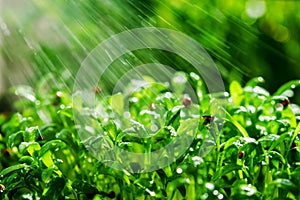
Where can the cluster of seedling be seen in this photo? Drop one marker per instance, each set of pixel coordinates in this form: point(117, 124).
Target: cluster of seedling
point(254, 154)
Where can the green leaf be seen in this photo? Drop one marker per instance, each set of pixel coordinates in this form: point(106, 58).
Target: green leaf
point(15, 139)
point(69, 138)
point(26, 160)
point(230, 142)
point(287, 86)
point(47, 174)
point(31, 134)
point(279, 141)
point(31, 147)
point(225, 170)
point(11, 169)
point(45, 152)
point(163, 133)
point(117, 103)
point(200, 86)
point(25, 91)
point(242, 130)
point(46, 158)
point(12, 125)
point(136, 147)
point(48, 131)
point(53, 145)
point(54, 189)
point(284, 184)
point(188, 126)
point(288, 113)
point(243, 191)
point(255, 81)
point(173, 118)
point(236, 92)
point(111, 129)
point(84, 187)
point(296, 132)
point(249, 144)
point(270, 138)
point(137, 129)
point(275, 155)
point(179, 82)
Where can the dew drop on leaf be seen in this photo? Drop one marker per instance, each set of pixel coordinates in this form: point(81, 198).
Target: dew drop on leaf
point(210, 186)
point(179, 170)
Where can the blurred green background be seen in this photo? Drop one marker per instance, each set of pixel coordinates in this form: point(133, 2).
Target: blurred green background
point(245, 38)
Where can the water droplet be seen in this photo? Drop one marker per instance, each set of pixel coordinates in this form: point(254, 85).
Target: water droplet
point(215, 192)
point(195, 76)
point(58, 94)
point(248, 122)
point(204, 196)
point(197, 160)
point(127, 114)
point(260, 79)
point(187, 180)
point(210, 186)
point(179, 170)
point(134, 99)
point(251, 109)
point(37, 102)
point(153, 128)
point(248, 189)
point(180, 78)
point(153, 194)
point(220, 196)
point(279, 107)
point(168, 95)
point(255, 9)
point(293, 86)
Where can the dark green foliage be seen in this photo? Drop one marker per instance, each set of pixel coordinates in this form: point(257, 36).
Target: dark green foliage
point(254, 156)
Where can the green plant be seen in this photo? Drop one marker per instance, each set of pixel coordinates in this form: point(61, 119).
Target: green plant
point(255, 154)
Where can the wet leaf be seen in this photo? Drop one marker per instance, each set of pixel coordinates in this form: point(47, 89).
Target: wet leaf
point(287, 86)
point(11, 169)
